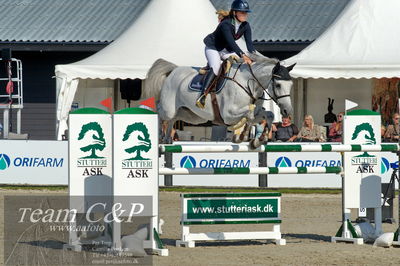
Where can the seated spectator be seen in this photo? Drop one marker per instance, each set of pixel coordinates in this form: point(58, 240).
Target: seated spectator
point(174, 134)
point(311, 132)
point(392, 131)
point(285, 130)
point(336, 129)
point(383, 131)
point(260, 129)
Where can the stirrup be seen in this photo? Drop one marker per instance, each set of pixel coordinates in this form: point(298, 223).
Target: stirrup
point(203, 70)
point(201, 101)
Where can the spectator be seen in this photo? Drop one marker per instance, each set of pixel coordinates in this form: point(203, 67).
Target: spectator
point(336, 129)
point(164, 127)
point(383, 131)
point(310, 132)
point(285, 130)
point(260, 129)
point(174, 134)
point(392, 131)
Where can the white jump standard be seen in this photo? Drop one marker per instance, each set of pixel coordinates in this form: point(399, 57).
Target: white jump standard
point(115, 157)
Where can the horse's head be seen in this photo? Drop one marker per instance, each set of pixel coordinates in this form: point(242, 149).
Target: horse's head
point(276, 79)
point(281, 87)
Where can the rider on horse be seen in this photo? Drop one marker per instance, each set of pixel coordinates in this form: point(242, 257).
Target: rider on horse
point(221, 43)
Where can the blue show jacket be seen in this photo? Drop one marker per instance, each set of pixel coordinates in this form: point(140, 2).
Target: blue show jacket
point(224, 37)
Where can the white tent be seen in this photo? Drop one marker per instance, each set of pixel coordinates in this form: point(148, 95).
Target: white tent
point(363, 42)
point(169, 29)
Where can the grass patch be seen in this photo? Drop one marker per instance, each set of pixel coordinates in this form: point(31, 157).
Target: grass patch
point(32, 187)
point(240, 190)
point(198, 189)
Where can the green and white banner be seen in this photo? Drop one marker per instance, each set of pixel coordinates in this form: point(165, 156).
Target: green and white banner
point(232, 207)
point(362, 187)
point(90, 152)
point(135, 152)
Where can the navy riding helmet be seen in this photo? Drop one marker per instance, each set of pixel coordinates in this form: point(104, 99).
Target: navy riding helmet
point(240, 5)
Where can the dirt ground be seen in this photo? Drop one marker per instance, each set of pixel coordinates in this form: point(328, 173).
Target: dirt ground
point(308, 222)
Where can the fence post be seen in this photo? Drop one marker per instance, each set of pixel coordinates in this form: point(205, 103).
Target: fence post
point(168, 181)
point(262, 162)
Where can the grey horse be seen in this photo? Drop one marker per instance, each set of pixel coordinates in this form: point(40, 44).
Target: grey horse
point(240, 101)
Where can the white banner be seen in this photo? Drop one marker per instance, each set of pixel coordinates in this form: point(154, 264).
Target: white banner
point(33, 162)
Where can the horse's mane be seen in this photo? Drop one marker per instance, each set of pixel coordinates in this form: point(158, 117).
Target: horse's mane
point(259, 58)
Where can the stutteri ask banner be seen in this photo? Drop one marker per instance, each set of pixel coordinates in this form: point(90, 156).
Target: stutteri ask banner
point(90, 152)
point(135, 133)
point(362, 185)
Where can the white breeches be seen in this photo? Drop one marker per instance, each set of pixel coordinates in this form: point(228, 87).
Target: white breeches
point(214, 58)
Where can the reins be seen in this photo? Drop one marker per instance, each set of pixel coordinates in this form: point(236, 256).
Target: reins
point(248, 90)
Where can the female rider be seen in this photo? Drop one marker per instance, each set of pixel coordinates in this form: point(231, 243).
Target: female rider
point(221, 44)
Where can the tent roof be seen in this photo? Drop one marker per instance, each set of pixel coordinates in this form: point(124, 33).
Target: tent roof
point(85, 22)
point(288, 20)
point(363, 42)
point(168, 29)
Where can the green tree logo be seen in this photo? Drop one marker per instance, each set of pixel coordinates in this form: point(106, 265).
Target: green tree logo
point(369, 135)
point(365, 154)
point(97, 139)
point(140, 138)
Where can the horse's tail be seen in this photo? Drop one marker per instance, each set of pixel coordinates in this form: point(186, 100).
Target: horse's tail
point(156, 76)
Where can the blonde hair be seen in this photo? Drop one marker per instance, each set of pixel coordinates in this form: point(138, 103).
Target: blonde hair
point(338, 123)
point(312, 121)
point(222, 14)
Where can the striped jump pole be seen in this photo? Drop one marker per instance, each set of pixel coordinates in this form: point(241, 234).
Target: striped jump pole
point(250, 170)
point(279, 148)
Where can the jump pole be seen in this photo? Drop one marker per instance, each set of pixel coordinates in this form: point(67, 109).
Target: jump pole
point(279, 148)
point(365, 182)
point(250, 170)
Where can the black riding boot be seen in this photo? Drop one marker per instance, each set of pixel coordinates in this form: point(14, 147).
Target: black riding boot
point(201, 101)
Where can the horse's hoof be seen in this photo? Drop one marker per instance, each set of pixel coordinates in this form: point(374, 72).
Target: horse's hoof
point(236, 139)
point(167, 140)
point(255, 143)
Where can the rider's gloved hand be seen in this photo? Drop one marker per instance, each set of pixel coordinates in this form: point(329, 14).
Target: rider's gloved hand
point(247, 59)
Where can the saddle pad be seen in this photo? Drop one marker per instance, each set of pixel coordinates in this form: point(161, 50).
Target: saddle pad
point(197, 83)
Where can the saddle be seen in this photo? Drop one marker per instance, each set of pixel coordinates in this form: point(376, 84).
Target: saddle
point(197, 82)
point(216, 86)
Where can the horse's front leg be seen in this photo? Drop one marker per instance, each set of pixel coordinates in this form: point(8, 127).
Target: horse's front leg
point(244, 135)
point(260, 138)
point(246, 113)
